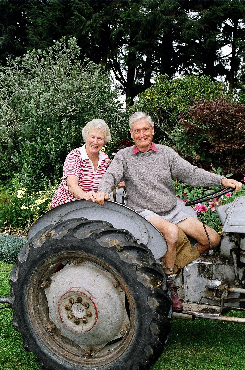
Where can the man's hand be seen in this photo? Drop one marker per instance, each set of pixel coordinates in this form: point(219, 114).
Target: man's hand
point(121, 184)
point(231, 183)
point(100, 198)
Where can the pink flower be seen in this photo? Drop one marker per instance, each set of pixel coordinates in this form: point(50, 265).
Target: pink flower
point(200, 207)
point(212, 206)
point(228, 194)
point(185, 200)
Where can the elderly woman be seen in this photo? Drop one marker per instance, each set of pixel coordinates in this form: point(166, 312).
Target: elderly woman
point(84, 166)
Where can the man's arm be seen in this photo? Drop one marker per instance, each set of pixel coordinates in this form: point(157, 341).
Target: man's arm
point(195, 176)
point(110, 179)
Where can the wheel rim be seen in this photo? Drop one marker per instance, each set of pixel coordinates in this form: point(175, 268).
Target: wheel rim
point(69, 314)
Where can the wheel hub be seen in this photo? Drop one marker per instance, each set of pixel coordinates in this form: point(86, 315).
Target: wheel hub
point(87, 305)
point(77, 311)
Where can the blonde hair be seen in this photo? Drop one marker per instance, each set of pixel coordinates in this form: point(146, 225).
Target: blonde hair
point(96, 124)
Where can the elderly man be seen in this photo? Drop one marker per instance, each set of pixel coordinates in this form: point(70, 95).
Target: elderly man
point(147, 170)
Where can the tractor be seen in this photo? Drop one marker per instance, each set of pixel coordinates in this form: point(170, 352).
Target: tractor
point(88, 291)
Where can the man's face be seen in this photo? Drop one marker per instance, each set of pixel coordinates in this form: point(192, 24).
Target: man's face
point(142, 134)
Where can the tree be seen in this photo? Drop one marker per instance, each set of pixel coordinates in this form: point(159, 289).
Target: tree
point(139, 40)
point(136, 40)
point(167, 98)
point(241, 85)
point(214, 27)
point(46, 98)
point(234, 35)
point(214, 131)
point(12, 29)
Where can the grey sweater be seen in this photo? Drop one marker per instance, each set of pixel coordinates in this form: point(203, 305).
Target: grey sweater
point(148, 177)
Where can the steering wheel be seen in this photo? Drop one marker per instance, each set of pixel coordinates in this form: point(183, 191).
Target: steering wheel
point(214, 194)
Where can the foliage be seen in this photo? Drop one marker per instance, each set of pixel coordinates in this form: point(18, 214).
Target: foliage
point(242, 85)
point(46, 98)
point(10, 245)
point(167, 98)
point(214, 131)
point(136, 40)
point(206, 211)
point(199, 118)
point(19, 207)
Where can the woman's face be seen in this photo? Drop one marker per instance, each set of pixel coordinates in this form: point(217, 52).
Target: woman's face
point(95, 141)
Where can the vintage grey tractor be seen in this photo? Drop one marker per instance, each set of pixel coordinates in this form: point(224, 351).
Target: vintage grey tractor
point(88, 291)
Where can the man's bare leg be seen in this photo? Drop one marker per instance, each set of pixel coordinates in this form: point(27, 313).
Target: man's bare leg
point(195, 229)
point(170, 234)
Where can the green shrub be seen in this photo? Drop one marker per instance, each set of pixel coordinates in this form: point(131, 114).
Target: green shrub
point(214, 134)
point(23, 207)
point(10, 246)
point(46, 98)
point(167, 98)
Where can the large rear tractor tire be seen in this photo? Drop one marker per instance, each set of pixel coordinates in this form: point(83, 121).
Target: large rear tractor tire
point(88, 296)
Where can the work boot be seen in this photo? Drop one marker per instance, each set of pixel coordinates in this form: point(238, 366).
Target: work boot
point(177, 304)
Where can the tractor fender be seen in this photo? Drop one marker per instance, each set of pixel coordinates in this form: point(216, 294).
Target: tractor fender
point(120, 216)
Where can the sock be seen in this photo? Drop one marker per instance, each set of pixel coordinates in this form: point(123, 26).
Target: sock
point(170, 279)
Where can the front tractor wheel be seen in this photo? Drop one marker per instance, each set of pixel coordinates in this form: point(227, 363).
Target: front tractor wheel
point(87, 296)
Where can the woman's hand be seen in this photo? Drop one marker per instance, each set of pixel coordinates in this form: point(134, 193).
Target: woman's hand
point(77, 191)
point(89, 196)
point(231, 183)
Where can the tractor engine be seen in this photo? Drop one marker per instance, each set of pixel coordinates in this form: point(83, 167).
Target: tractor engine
point(216, 283)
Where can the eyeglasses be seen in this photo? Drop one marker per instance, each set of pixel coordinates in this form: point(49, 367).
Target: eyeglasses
point(145, 130)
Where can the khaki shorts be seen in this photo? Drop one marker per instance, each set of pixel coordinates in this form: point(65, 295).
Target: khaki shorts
point(185, 252)
point(179, 213)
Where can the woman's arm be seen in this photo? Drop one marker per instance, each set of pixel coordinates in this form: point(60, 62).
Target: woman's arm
point(77, 191)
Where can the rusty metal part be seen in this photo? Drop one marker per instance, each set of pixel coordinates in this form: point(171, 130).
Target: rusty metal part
point(202, 311)
point(197, 315)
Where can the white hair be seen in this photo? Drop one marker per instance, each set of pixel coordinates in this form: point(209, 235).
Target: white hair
point(138, 115)
point(96, 124)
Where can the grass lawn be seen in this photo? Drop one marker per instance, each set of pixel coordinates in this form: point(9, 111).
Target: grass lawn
point(193, 345)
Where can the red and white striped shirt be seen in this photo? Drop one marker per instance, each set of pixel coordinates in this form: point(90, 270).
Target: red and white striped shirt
point(78, 164)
